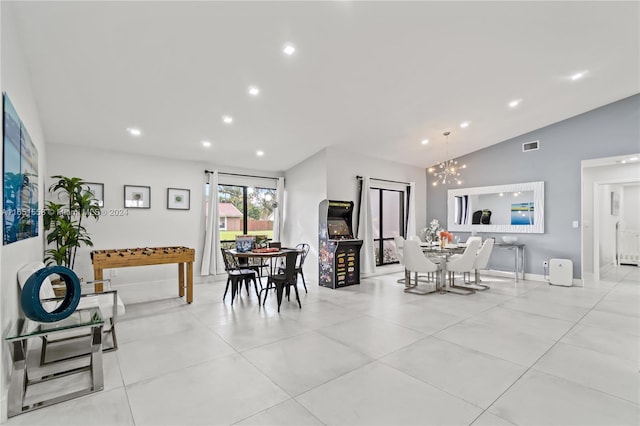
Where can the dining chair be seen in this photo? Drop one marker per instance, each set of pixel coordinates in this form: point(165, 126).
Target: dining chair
point(481, 262)
point(415, 261)
point(399, 241)
point(415, 238)
point(110, 304)
point(286, 278)
point(300, 262)
point(461, 264)
point(237, 275)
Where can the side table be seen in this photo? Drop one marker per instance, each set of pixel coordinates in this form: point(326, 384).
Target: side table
point(24, 329)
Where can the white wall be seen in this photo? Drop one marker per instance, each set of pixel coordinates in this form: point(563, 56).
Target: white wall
point(156, 226)
point(16, 83)
point(306, 186)
point(630, 206)
point(590, 176)
point(152, 227)
point(343, 166)
point(607, 224)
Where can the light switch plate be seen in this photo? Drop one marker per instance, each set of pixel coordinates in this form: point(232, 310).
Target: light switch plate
point(576, 224)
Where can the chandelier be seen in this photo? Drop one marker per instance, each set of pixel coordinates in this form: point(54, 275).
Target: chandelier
point(448, 171)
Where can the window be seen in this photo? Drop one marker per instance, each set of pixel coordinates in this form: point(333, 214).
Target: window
point(387, 211)
point(245, 210)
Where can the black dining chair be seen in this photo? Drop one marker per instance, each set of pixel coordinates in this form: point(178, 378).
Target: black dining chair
point(237, 275)
point(286, 278)
point(305, 251)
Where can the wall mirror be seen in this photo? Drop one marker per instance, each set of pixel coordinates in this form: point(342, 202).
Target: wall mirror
point(512, 208)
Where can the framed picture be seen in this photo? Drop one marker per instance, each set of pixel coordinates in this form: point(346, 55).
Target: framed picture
point(137, 197)
point(615, 203)
point(97, 189)
point(178, 199)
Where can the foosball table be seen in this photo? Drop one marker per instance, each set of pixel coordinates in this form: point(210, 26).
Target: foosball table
point(122, 258)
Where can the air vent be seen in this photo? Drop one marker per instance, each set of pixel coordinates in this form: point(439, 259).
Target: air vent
point(530, 146)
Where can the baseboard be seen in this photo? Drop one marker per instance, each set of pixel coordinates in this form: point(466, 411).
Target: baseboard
point(384, 270)
point(608, 267)
point(528, 276)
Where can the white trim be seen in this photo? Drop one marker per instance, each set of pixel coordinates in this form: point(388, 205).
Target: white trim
point(538, 212)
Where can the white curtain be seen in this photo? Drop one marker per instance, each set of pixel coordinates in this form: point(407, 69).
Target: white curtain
point(212, 262)
point(365, 229)
point(411, 210)
point(278, 212)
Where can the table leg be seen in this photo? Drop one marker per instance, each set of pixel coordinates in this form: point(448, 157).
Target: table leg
point(515, 259)
point(523, 262)
point(97, 373)
point(180, 279)
point(18, 383)
point(97, 276)
point(189, 282)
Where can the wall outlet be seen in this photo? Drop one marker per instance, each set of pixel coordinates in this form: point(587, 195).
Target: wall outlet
point(545, 264)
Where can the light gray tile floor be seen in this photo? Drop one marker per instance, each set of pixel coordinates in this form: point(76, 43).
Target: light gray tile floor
point(517, 354)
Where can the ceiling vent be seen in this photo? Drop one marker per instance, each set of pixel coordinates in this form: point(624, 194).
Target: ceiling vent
point(531, 146)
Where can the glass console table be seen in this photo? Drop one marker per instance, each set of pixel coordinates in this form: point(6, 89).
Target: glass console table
point(24, 329)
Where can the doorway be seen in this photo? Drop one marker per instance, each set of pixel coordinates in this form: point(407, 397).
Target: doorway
point(603, 213)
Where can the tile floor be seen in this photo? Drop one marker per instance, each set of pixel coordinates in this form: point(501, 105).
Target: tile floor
point(525, 354)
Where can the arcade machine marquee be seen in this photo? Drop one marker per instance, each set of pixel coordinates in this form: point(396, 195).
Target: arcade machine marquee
point(339, 257)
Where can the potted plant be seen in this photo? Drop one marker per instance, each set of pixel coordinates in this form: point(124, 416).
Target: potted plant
point(63, 219)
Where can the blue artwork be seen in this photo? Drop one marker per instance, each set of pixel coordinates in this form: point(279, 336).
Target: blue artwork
point(20, 179)
point(522, 213)
point(244, 243)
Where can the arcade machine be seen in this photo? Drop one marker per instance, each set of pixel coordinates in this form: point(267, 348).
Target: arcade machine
point(339, 252)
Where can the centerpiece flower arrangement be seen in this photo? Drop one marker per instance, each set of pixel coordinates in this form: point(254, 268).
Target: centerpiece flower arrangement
point(444, 235)
point(432, 232)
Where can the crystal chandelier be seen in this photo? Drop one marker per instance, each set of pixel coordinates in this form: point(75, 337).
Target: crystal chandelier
point(448, 171)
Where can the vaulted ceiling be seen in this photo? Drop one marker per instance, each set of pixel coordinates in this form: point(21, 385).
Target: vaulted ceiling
point(374, 77)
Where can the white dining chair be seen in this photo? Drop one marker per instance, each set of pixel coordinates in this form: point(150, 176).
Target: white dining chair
point(482, 260)
point(416, 262)
point(461, 264)
point(400, 251)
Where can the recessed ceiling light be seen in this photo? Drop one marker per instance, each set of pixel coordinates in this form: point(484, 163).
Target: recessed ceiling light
point(289, 49)
point(254, 90)
point(464, 125)
point(259, 153)
point(424, 141)
point(633, 159)
point(578, 75)
point(134, 131)
point(227, 119)
point(206, 144)
point(514, 103)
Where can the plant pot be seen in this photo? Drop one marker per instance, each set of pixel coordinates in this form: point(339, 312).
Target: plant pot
point(59, 287)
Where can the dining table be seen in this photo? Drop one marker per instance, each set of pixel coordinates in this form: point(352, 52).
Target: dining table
point(440, 255)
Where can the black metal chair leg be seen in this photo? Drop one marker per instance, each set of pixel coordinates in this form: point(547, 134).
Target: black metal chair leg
point(226, 288)
point(304, 283)
point(295, 287)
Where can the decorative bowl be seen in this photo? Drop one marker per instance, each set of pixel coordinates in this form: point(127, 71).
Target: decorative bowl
point(509, 239)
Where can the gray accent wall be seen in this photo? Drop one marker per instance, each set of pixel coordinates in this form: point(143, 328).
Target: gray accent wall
point(608, 131)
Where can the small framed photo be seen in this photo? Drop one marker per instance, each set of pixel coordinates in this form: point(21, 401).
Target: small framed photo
point(137, 197)
point(97, 189)
point(178, 199)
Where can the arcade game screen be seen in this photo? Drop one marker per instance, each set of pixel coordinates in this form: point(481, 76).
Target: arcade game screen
point(338, 229)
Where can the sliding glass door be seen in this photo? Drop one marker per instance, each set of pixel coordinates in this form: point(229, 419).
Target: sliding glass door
point(245, 210)
point(387, 211)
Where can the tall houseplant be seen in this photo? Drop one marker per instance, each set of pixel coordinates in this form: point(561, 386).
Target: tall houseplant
point(63, 219)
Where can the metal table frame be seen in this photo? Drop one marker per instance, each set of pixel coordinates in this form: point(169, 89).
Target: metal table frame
point(25, 329)
point(519, 257)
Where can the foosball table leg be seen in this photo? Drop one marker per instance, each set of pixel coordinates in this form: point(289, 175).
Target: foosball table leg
point(180, 279)
point(97, 276)
point(189, 282)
